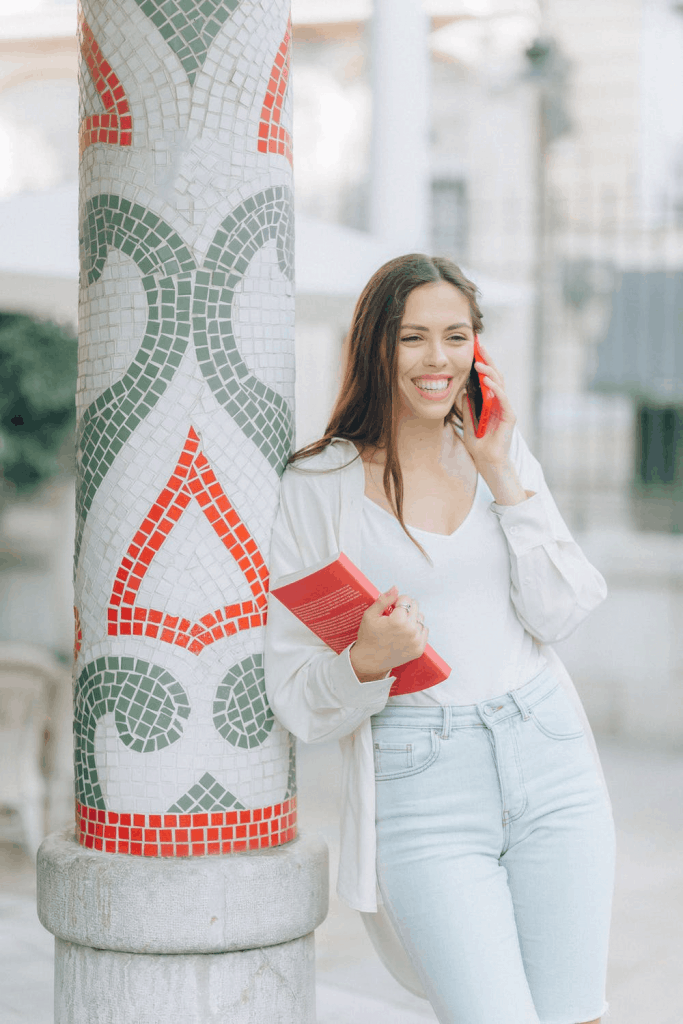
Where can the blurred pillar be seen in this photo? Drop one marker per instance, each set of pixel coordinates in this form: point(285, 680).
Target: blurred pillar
point(400, 174)
point(186, 894)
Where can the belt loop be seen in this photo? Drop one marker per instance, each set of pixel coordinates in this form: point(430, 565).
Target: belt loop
point(521, 704)
point(446, 731)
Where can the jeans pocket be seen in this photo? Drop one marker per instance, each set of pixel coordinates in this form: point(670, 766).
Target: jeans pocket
point(555, 716)
point(400, 752)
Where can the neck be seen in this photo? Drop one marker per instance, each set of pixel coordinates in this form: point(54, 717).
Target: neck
point(420, 441)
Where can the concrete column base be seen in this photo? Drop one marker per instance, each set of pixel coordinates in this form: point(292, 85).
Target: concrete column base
point(205, 940)
point(98, 986)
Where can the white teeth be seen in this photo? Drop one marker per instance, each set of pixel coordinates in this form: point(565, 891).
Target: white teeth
point(432, 385)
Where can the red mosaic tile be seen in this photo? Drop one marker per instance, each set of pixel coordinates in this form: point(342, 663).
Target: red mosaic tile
point(186, 834)
point(192, 477)
point(78, 633)
point(272, 136)
point(113, 128)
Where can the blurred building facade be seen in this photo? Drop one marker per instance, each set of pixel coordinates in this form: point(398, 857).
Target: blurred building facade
point(553, 173)
point(554, 178)
point(39, 276)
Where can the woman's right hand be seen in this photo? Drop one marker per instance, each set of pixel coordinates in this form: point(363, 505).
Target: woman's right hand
point(385, 641)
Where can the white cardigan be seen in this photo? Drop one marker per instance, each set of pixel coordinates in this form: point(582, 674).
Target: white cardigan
point(315, 693)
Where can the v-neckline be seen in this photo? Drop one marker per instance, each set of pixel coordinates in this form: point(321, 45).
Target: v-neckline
point(431, 533)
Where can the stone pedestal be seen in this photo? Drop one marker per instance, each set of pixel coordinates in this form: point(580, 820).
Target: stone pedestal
point(204, 940)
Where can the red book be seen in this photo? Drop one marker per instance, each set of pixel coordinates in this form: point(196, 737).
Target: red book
point(331, 599)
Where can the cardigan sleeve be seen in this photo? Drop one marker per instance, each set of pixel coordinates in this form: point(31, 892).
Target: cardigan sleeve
point(553, 585)
point(313, 691)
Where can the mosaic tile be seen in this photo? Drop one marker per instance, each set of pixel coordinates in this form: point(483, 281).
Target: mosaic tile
point(78, 634)
point(192, 479)
point(193, 834)
point(189, 27)
point(165, 261)
point(148, 704)
point(273, 137)
point(263, 415)
point(185, 423)
point(240, 711)
point(206, 795)
point(114, 125)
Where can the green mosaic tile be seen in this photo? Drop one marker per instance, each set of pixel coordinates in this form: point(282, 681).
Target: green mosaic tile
point(241, 712)
point(149, 708)
point(189, 27)
point(109, 421)
point(263, 414)
point(206, 795)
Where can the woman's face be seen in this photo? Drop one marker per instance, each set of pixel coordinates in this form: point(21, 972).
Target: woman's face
point(435, 350)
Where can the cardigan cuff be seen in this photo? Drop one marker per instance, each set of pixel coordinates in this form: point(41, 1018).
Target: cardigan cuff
point(350, 691)
point(526, 525)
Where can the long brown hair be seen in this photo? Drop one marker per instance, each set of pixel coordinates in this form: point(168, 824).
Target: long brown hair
point(366, 409)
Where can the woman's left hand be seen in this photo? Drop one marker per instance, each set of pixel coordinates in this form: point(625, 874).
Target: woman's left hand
point(491, 453)
point(493, 448)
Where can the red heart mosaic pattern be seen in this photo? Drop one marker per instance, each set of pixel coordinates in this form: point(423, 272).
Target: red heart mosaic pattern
point(115, 126)
point(192, 478)
point(272, 136)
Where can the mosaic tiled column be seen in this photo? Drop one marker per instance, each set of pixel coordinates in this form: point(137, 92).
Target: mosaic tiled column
point(185, 400)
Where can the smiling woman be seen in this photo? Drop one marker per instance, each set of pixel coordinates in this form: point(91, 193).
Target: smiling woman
point(435, 350)
point(373, 395)
point(475, 822)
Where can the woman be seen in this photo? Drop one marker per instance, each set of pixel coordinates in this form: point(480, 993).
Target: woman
point(474, 813)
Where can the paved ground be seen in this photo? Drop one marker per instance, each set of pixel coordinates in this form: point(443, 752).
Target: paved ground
point(646, 966)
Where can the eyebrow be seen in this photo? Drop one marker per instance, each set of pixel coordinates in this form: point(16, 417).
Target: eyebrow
point(418, 327)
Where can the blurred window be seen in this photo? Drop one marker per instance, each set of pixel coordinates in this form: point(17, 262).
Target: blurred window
point(659, 468)
point(449, 217)
point(660, 439)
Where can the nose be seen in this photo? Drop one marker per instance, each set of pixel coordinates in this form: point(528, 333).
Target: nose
point(436, 354)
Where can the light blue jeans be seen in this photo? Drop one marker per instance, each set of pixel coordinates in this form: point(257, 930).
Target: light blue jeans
point(495, 855)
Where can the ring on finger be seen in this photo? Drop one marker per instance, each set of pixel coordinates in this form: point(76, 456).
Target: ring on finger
point(406, 606)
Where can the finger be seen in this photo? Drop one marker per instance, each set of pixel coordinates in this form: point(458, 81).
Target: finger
point(405, 604)
point(499, 392)
point(486, 370)
point(507, 413)
point(385, 601)
point(491, 363)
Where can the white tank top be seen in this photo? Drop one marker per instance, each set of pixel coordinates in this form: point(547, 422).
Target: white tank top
point(464, 596)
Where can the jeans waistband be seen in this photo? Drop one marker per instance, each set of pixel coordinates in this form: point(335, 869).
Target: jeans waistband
point(462, 716)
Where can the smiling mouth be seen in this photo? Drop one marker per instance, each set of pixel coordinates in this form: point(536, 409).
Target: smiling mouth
point(434, 388)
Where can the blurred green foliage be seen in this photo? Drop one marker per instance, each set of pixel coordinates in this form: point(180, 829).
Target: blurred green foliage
point(38, 365)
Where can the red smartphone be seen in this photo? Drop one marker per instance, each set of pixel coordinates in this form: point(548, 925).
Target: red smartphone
point(484, 404)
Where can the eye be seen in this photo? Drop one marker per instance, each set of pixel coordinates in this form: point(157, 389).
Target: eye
point(458, 338)
point(412, 337)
